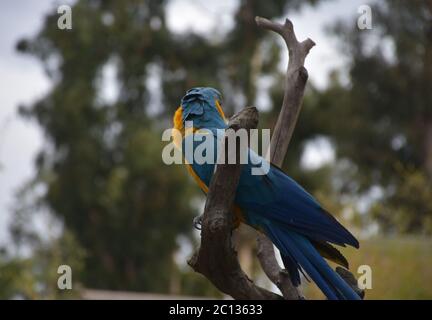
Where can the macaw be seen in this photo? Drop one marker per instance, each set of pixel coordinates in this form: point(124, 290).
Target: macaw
point(272, 203)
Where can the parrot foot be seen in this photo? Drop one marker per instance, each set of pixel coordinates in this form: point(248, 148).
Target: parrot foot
point(197, 222)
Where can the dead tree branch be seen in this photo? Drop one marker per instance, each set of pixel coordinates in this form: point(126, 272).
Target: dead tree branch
point(296, 78)
point(216, 258)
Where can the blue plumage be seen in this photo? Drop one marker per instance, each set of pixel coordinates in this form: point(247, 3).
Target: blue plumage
point(275, 204)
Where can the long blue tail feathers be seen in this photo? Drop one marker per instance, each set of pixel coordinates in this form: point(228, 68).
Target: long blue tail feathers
point(298, 253)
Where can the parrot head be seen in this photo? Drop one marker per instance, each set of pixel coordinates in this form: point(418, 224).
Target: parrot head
point(203, 107)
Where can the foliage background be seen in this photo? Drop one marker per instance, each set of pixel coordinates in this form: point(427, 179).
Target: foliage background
point(122, 219)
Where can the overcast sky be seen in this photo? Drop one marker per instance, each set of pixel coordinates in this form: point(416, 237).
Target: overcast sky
point(22, 79)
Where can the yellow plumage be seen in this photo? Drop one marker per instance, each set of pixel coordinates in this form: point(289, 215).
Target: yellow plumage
point(178, 125)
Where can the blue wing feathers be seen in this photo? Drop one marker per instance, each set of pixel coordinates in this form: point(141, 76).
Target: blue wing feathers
point(300, 249)
point(288, 246)
point(290, 216)
point(288, 203)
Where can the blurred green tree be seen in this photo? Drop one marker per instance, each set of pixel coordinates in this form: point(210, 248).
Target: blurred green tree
point(35, 276)
point(380, 120)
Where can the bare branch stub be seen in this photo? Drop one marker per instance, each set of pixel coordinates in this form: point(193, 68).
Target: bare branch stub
point(296, 79)
point(216, 258)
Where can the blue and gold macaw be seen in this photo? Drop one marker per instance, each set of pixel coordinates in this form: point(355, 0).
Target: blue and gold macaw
point(273, 203)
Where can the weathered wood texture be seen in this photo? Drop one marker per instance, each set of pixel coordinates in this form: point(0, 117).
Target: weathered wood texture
point(296, 78)
point(216, 258)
